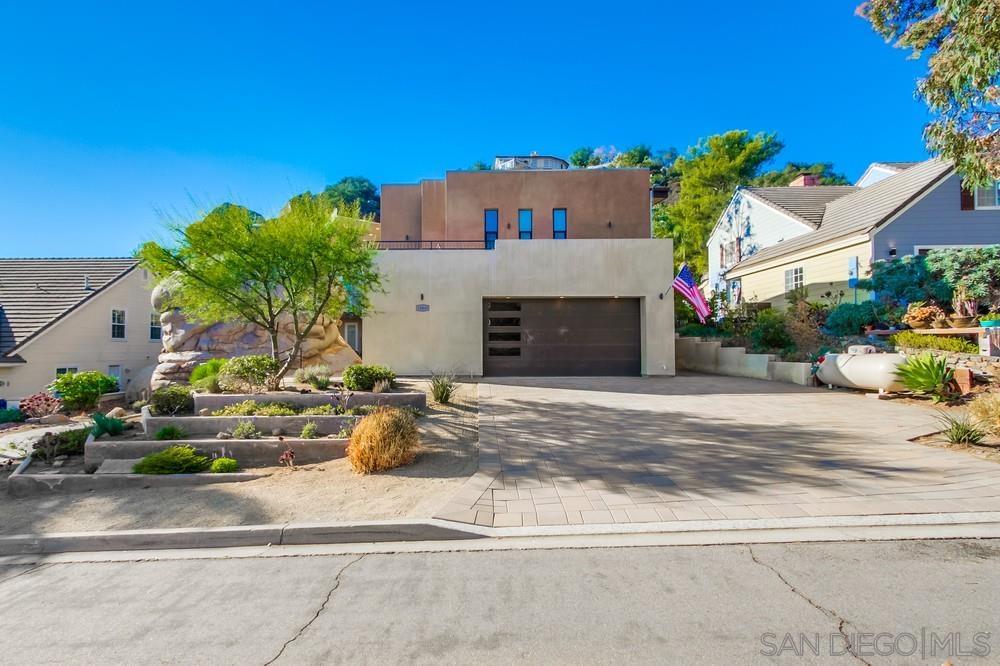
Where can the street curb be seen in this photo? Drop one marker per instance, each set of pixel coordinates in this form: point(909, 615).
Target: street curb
point(434, 530)
point(229, 537)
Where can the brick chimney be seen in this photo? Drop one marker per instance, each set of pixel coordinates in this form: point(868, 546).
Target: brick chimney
point(805, 180)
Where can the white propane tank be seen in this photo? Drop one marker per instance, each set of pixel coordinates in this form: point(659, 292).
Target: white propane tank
point(873, 372)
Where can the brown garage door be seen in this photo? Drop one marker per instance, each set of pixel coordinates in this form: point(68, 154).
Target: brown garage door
point(561, 337)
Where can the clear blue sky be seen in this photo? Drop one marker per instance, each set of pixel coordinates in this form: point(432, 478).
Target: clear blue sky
point(113, 117)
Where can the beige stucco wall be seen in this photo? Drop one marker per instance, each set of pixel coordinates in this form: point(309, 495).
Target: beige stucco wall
point(399, 215)
point(83, 340)
point(449, 337)
point(824, 269)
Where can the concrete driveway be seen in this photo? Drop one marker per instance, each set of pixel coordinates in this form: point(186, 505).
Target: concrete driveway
point(696, 447)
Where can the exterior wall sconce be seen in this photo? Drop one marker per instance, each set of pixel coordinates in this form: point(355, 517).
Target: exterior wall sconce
point(407, 236)
point(421, 297)
point(892, 253)
point(609, 224)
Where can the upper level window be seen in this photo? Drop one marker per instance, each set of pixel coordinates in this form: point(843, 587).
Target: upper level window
point(491, 222)
point(155, 329)
point(524, 223)
point(794, 279)
point(559, 223)
point(988, 197)
point(117, 324)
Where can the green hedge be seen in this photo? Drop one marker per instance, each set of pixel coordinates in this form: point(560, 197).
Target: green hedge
point(913, 340)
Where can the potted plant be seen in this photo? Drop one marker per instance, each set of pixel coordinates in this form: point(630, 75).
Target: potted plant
point(990, 320)
point(920, 315)
point(966, 308)
point(940, 322)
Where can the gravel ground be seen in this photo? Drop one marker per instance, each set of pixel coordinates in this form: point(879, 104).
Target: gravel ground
point(309, 493)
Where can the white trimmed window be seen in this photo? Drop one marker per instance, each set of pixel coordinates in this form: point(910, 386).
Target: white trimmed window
point(67, 370)
point(155, 328)
point(794, 279)
point(988, 197)
point(117, 324)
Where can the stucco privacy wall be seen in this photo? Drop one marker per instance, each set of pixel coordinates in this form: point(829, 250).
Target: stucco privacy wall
point(823, 269)
point(449, 336)
point(83, 340)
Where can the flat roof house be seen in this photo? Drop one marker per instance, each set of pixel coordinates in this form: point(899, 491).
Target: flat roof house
point(770, 241)
point(68, 315)
point(523, 270)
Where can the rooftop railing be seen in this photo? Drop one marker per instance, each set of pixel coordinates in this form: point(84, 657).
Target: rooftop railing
point(435, 245)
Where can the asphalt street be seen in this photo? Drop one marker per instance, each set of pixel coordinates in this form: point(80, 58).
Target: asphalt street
point(897, 602)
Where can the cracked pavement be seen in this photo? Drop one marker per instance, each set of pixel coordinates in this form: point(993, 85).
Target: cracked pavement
point(703, 604)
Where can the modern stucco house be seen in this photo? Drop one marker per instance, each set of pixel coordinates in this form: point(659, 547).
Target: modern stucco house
point(770, 241)
point(66, 315)
point(523, 271)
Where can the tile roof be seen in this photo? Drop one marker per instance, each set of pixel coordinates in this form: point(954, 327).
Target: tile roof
point(803, 203)
point(35, 293)
point(860, 211)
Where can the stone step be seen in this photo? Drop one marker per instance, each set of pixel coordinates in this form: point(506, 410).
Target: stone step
point(117, 466)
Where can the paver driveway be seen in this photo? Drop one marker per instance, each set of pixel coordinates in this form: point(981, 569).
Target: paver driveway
point(603, 450)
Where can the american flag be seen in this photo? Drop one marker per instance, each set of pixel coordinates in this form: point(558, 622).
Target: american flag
point(685, 285)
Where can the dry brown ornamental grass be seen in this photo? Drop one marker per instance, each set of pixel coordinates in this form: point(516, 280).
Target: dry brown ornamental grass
point(384, 439)
point(985, 409)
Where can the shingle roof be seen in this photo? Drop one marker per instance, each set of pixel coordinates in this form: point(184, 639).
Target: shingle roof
point(35, 293)
point(804, 203)
point(860, 211)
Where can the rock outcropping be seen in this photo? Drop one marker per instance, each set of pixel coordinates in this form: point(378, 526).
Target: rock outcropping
point(185, 344)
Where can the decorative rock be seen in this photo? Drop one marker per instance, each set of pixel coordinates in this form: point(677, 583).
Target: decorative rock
point(224, 435)
point(278, 432)
point(204, 412)
point(55, 419)
point(117, 413)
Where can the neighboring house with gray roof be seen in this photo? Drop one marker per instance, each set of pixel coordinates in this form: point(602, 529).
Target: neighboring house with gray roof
point(918, 208)
point(66, 315)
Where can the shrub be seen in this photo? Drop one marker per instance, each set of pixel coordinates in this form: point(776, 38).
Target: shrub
point(309, 431)
point(768, 332)
point(802, 322)
point(245, 430)
point(83, 390)
point(205, 376)
point(363, 377)
point(41, 404)
point(170, 432)
point(172, 400)
point(383, 440)
point(695, 330)
point(960, 430)
point(920, 313)
point(443, 387)
point(851, 318)
point(319, 410)
point(317, 376)
point(905, 280)
point(276, 409)
point(68, 442)
point(927, 375)
point(224, 466)
point(985, 410)
point(253, 374)
point(254, 408)
point(245, 408)
point(11, 416)
point(172, 460)
point(912, 340)
point(105, 425)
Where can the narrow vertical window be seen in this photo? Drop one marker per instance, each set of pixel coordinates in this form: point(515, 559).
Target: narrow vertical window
point(491, 222)
point(155, 329)
point(524, 223)
point(117, 324)
point(559, 223)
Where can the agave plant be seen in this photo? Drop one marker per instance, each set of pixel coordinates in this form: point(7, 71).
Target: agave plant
point(961, 429)
point(927, 375)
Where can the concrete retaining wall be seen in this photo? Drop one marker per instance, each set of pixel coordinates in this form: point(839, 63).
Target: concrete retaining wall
point(212, 425)
point(710, 357)
point(214, 401)
point(248, 452)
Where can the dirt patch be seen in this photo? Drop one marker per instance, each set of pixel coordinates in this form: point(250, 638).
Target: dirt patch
point(311, 493)
point(989, 450)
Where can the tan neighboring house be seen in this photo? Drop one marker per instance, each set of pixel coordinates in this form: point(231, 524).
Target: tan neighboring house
point(907, 209)
point(67, 315)
point(531, 268)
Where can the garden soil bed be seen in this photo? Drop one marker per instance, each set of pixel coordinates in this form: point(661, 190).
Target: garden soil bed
point(323, 492)
point(989, 450)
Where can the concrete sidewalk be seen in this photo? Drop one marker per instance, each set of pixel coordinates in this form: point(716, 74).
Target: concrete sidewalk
point(695, 448)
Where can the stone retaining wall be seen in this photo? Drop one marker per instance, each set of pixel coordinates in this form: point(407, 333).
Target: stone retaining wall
point(248, 452)
point(979, 364)
point(212, 425)
point(711, 357)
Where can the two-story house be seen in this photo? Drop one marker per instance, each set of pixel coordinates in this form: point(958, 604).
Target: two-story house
point(527, 269)
point(903, 209)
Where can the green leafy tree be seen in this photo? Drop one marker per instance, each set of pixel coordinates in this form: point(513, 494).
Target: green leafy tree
point(961, 39)
point(709, 173)
point(639, 156)
point(480, 165)
point(782, 177)
point(354, 190)
point(583, 157)
point(233, 266)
